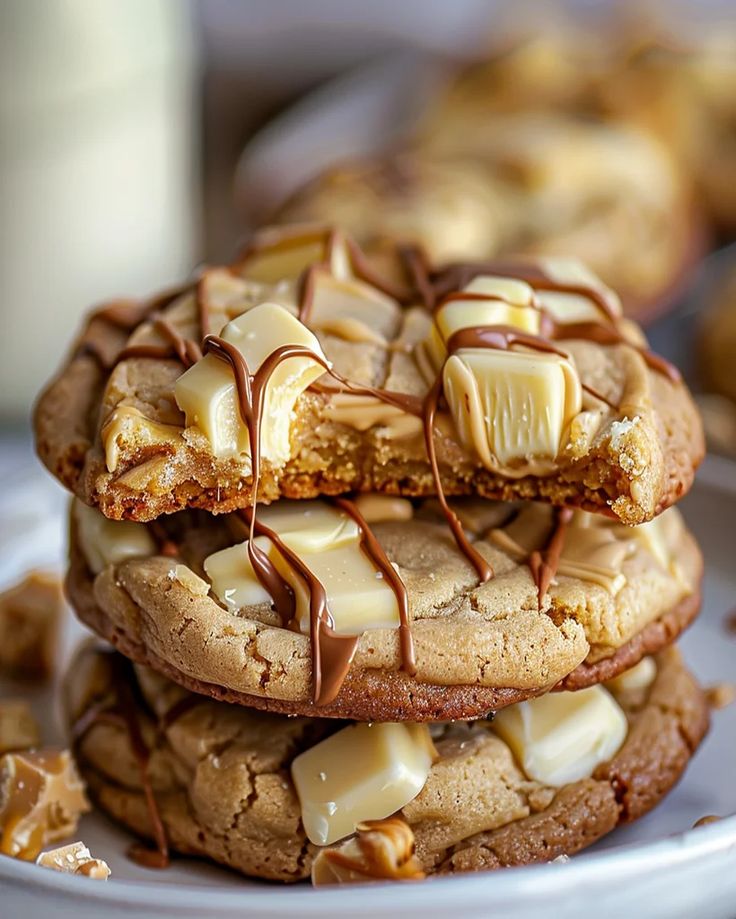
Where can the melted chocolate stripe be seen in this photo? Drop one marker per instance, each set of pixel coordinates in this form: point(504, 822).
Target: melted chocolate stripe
point(602, 333)
point(374, 550)
point(328, 648)
point(544, 564)
point(123, 711)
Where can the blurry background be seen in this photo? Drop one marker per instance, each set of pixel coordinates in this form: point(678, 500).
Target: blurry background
point(138, 139)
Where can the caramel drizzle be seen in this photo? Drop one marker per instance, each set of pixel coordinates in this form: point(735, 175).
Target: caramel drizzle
point(376, 860)
point(503, 338)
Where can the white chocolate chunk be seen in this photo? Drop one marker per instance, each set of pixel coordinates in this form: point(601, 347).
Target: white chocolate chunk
point(207, 393)
point(660, 537)
point(358, 596)
point(308, 526)
point(327, 541)
point(352, 310)
point(281, 254)
point(561, 737)
point(363, 772)
point(74, 858)
point(635, 678)
point(574, 307)
point(108, 542)
point(232, 577)
point(508, 304)
point(511, 406)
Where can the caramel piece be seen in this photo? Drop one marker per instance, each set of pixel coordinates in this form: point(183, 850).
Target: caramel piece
point(561, 737)
point(328, 542)
point(41, 800)
point(363, 772)
point(108, 542)
point(381, 850)
point(30, 616)
point(377, 508)
point(208, 396)
point(18, 728)
point(74, 859)
point(511, 407)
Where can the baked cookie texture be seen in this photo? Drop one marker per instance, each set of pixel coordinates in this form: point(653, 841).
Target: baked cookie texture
point(117, 438)
point(478, 646)
point(222, 786)
point(551, 183)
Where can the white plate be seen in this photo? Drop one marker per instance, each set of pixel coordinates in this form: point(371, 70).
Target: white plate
point(657, 867)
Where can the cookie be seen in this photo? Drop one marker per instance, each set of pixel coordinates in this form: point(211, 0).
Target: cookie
point(552, 184)
point(199, 615)
point(524, 382)
point(222, 779)
point(718, 341)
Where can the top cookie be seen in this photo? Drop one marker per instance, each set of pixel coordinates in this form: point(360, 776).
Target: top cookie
point(509, 380)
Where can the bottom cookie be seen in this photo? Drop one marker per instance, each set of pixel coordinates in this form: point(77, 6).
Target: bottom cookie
point(243, 788)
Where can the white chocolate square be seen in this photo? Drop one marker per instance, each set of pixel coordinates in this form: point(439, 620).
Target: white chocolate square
point(511, 405)
point(363, 772)
point(352, 310)
point(568, 308)
point(327, 541)
point(636, 678)
point(207, 393)
point(562, 737)
point(358, 596)
point(108, 542)
point(232, 577)
point(281, 255)
point(508, 304)
point(308, 526)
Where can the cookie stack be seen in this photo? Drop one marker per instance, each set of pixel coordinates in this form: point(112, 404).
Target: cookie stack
point(368, 545)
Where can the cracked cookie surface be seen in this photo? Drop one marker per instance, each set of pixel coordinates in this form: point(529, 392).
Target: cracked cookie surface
point(117, 438)
point(478, 646)
point(221, 780)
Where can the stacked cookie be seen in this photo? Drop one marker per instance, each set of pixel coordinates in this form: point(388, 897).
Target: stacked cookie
point(368, 547)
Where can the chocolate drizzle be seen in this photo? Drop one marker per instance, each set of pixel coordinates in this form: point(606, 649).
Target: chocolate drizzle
point(123, 711)
point(544, 563)
point(448, 286)
point(503, 338)
point(331, 653)
point(374, 550)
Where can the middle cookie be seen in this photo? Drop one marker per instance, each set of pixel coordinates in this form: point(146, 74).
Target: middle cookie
point(367, 610)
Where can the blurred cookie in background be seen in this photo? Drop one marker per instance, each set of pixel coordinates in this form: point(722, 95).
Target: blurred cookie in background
point(535, 183)
point(717, 358)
